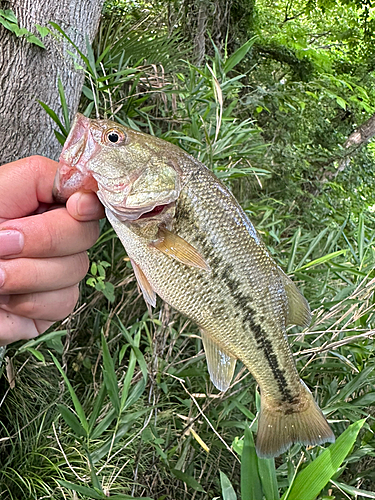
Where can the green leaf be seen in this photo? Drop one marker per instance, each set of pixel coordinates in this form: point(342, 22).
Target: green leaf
point(340, 101)
point(55, 344)
point(101, 271)
point(35, 40)
point(109, 376)
point(268, 479)
point(60, 137)
point(187, 479)
point(62, 32)
point(227, 489)
point(97, 406)
point(54, 117)
point(295, 240)
point(128, 497)
point(64, 105)
point(77, 405)
point(42, 338)
point(71, 420)
point(238, 55)
point(39, 356)
point(8, 25)
point(103, 424)
point(322, 260)
point(91, 493)
point(353, 491)
point(251, 488)
point(84, 490)
point(43, 30)
point(310, 482)
point(9, 15)
point(91, 282)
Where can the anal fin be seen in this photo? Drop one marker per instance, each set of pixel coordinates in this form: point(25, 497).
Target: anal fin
point(220, 364)
point(176, 247)
point(148, 293)
point(298, 307)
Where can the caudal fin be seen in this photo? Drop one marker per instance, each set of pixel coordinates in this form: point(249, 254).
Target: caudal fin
point(279, 428)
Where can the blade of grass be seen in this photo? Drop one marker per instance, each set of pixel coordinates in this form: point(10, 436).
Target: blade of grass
point(313, 245)
point(54, 117)
point(77, 405)
point(238, 55)
point(187, 479)
point(64, 105)
point(321, 260)
point(227, 489)
point(97, 406)
point(109, 376)
point(71, 420)
point(295, 240)
point(267, 474)
point(353, 491)
point(251, 488)
point(310, 482)
point(43, 338)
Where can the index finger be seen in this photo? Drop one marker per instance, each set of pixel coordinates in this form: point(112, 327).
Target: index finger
point(24, 184)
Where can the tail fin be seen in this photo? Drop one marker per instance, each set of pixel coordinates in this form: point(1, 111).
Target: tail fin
point(279, 428)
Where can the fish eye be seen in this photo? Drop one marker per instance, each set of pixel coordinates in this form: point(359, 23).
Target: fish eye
point(114, 136)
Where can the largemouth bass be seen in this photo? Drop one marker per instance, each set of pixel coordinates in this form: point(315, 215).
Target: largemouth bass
point(190, 242)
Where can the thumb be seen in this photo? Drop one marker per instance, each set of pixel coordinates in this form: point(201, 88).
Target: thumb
point(24, 184)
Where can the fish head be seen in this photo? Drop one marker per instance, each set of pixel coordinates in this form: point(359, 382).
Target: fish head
point(130, 171)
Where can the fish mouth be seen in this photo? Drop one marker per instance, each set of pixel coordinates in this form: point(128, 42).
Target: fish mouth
point(72, 174)
point(132, 214)
point(158, 210)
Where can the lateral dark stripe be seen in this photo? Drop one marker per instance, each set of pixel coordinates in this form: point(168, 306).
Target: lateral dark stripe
point(224, 272)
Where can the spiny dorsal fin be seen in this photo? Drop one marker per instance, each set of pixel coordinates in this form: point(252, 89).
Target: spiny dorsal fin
point(148, 293)
point(176, 247)
point(298, 307)
point(220, 364)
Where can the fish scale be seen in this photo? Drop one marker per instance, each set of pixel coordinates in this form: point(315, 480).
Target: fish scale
point(200, 253)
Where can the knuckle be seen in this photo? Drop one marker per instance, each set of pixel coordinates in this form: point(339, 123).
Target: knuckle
point(30, 306)
point(51, 239)
point(83, 264)
point(95, 231)
point(68, 299)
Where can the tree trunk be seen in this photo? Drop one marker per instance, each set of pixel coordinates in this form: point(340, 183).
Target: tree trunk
point(29, 73)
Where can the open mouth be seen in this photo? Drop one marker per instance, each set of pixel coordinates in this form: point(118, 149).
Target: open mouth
point(155, 211)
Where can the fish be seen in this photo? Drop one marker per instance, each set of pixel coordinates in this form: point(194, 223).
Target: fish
point(190, 242)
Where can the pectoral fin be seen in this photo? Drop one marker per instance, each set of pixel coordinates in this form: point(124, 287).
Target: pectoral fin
point(148, 293)
point(176, 247)
point(298, 307)
point(220, 364)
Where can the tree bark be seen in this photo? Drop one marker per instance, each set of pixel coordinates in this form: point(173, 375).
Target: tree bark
point(29, 73)
point(356, 139)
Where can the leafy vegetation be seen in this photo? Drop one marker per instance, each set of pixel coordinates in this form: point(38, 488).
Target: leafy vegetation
point(117, 400)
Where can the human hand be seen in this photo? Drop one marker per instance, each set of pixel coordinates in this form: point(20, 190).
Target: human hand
point(42, 250)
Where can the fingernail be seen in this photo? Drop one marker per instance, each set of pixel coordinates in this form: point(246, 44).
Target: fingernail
point(2, 277)
point(87, 205)
point(11, 242)
point(4, 299)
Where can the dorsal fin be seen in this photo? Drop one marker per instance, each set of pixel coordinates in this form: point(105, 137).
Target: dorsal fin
point(148, 293)
point(176, 247)
point(220, 364)
point(298, 307)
